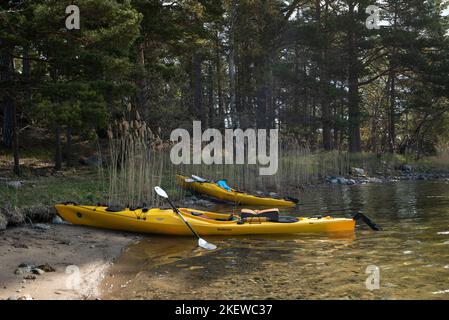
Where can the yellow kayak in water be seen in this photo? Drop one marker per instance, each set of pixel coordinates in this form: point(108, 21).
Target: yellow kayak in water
point(240, 198)
point(165, 221)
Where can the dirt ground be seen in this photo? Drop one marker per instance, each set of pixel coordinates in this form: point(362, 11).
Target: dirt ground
point(78, 255)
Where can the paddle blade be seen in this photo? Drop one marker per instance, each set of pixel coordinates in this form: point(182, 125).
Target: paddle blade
point(206, 245)
point(161, 192)
point(188, 180)
point(199, 179)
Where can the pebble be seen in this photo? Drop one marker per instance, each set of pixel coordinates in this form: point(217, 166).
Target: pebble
point(46, 268)
point(37, 271)
point(58, 220)
point(41, 226)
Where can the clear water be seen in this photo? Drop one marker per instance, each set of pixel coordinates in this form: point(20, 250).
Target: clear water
point(411, 254)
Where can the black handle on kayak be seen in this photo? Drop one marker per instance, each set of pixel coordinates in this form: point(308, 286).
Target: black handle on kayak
point(360, 216)
point(295, 200)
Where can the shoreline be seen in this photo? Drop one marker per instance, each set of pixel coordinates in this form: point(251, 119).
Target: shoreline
point(90, 252)
point(75, 260)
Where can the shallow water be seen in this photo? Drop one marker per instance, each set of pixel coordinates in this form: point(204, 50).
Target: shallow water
point(410, 255)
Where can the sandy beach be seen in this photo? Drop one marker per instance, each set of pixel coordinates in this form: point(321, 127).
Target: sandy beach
point(57, 261)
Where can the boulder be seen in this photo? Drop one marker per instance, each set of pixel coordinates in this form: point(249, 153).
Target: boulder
point(406, 168)
point(13, 215)
point(58, 220)
point(342, 180)
point(351, 182)
point(358, 172)
point(37, 271)
point(92, 161)
point(14, 184)
point(46, 267)
point(3, 222)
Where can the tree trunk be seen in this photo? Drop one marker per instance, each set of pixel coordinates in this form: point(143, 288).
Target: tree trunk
point(392, 90)
point(231, 59)
point(200, 112)
point(69, 155)
point(10, 134)
point(353, 91)
point(142, 101)
point(58, 149)
point(392, 113)
point(262, 92)
point(221, 111)
point(326, 114)
point(210, 95)
point(8, 104)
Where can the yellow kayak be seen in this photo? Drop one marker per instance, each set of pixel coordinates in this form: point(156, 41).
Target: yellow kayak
point(237, 197)
point(165, 221)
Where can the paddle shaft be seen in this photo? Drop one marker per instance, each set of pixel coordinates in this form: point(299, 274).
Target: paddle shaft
point(183, 219)
point(368, 221)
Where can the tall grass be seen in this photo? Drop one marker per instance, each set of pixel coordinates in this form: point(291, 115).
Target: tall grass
point(139, 161)
point(134, 167)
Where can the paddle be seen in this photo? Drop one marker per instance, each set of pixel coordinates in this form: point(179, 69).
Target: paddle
point(201, 242)
point(198, 179)
point(367, 220)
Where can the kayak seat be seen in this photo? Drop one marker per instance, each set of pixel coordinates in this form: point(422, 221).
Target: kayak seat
point(260, 215)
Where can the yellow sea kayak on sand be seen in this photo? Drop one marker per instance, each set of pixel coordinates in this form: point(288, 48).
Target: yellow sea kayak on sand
point(165, 221)
point(234, 196)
